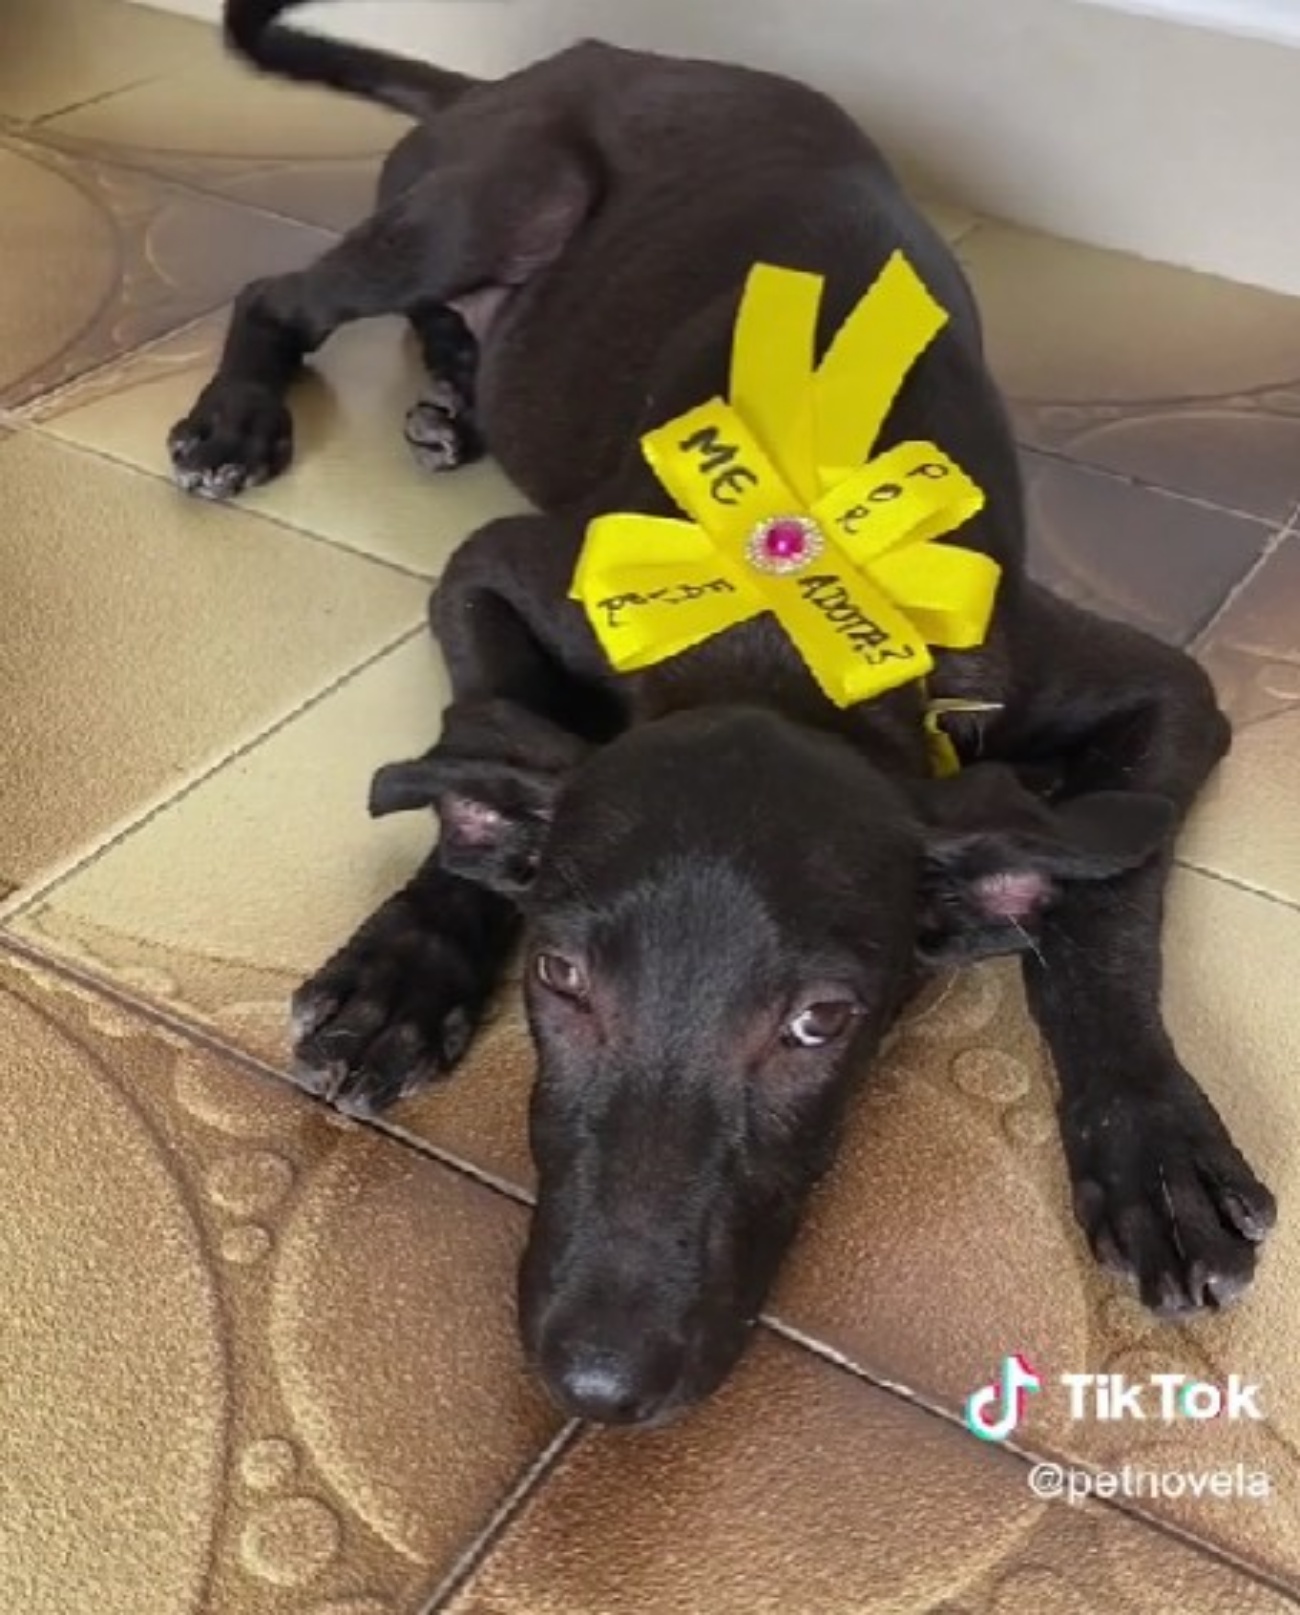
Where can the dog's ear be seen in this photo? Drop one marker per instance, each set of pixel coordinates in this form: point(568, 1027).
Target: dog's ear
point(493, 780)
point(996, 857)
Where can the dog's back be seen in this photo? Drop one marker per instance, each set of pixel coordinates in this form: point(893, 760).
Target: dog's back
point(664, 181)
point(701, 170)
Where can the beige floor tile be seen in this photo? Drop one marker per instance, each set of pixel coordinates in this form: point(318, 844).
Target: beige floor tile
point(311, 154)
point(1157, 561)
point(58, 53)
point(219, 906)
point(945, 1239)
point(254, 1360)
point(308, 153)
point(99, 259)
point(322, 1319)
point(146, 636)
point(1246, 826)
point(1177, 378)
point(800, 1490)
point(1253, 650)
point(353, 480)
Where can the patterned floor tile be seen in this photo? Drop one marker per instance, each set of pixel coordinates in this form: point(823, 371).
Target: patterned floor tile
point(99, 259)
point(1148, 558)
point(353, 480)
point(225, 900)
point(254, 1360)
point(1180, 379)
point(945, 1239)
point(801, 1490)
point(1246, 826)
point(310, 154)
point(146, 636)
point(1253, 649)
point(60, 53)
point(322, 1318)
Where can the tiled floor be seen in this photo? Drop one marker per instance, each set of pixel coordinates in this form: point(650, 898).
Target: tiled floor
point(254, 1359)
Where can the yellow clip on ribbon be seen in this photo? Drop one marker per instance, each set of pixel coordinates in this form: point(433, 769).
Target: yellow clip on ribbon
point(787, 517)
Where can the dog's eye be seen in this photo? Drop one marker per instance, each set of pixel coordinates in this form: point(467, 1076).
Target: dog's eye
point(820, 1024)
point(562, 976)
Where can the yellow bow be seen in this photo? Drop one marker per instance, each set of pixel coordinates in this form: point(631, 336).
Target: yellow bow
point(787, 517)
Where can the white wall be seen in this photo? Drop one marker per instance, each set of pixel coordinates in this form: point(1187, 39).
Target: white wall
point(1098, 119)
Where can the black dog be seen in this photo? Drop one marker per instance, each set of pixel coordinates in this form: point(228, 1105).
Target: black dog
point(727, 882)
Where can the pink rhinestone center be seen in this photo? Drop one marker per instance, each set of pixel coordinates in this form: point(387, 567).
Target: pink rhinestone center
point(785, 541)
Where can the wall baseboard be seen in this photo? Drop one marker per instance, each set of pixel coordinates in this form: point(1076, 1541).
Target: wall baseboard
point(1274, 20)
point(1166, 128)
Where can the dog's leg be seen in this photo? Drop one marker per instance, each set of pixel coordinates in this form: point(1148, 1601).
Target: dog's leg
point(441, 429)
point(1162, 1192)
point(397, 1005)
point(495, 221)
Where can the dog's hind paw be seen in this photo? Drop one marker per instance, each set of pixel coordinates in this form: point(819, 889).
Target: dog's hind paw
point(394, 1009)
point(1168, 1201)
point(440, 434)
point(234, 438)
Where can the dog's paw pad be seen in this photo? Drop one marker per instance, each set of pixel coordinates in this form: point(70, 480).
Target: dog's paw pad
point(440, 439)
point(446, 396)
point(395, 1009)
point(234, 438)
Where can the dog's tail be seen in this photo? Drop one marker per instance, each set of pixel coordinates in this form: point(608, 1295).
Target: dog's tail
point(409, 86)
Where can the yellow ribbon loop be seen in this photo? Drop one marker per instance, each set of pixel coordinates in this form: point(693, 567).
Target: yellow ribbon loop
point(772, 357)
point(844, 558)
point(869, 360)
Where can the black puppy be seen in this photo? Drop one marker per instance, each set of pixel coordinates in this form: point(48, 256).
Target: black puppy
point(727, 882)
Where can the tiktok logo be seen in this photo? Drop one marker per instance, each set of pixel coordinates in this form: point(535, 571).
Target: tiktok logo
point(995, 1410)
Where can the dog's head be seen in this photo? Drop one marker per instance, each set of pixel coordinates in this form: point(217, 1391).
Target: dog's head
point(724, 910)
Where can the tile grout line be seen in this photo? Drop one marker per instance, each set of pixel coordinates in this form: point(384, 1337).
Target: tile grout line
point(1128, 479)
point(211, 1042)
point(43, 118)
point(134, 162)
point(1200, 1546)
point(29, 897)
point(502, 1518)
point(1240, 885)
point(419, 1145)
point(538, 1470)
point(26, 425)
point(18, 413)
point(1277, 537)
point(35, 132)
point(109, 153)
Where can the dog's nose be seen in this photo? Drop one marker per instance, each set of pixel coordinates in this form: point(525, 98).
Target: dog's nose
point(612, 1387)
point(598, 1385)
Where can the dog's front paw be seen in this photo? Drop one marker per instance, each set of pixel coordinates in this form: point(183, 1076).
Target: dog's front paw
point(395, 1008)
point(235, 437)
point(1167, 1200)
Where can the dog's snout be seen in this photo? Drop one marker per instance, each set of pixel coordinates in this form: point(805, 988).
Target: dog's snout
point(626, 1384)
